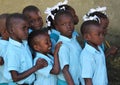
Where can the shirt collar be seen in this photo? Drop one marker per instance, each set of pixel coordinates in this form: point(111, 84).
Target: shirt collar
point(92, 49)
point(64, 38)
point(16, 43)
point(42, 55)
point(55, 31)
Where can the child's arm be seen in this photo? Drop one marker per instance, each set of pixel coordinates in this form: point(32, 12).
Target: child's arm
point(67, 75)
point(56, 66)
point(111, 51)
point(19, 76)
point(1, 61)
point(88, 81)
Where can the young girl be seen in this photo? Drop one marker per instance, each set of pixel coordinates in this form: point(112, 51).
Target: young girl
point(34, 17)
point(92, 57)
point(99, 15)
point(18, 57)
point(69, 51)
point(40, 41)
point(51, 12)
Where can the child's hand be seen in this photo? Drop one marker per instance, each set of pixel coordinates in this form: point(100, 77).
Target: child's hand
point(112, 50)
point(1, 61)
point(57, 47)
point(41, 63)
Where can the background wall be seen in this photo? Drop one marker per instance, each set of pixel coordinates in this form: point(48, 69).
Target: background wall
point(81, 7)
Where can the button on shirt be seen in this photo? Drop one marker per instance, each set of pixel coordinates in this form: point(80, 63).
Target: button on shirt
point(19, 59)
point(93, 65)
point(69, 55)
point(43, 76)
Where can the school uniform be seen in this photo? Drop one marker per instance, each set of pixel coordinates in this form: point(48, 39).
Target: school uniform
point(69, 55)
point(3, 45)
point(93, 65)
point(54, 36)
point(3, 80)
point(18, 58)
point(43, 76)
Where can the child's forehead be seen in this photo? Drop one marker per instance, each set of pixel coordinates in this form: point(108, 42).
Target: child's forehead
point(32, 13)
point(18, 20)
point(41, 37)
point(65, 16)
point(94, 28)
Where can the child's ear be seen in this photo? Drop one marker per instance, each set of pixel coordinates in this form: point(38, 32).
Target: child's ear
point(87, 36)
point(56, 26)
point(11, 31)
point(36, 47)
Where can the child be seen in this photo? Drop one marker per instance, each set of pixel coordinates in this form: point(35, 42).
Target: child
point(99, 15)
point(40, 41)
point(69, 51)
point(3, 46)
point(54, 33)
point(4, 34)
point(72, 11)
point(34, 17)
point(92, 57)
point(18, 57)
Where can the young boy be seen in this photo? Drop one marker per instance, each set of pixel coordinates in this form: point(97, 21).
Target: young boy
point(34, 17)
point(3, 46)
point(92, 57)
point(3, 31)
point(19, 64)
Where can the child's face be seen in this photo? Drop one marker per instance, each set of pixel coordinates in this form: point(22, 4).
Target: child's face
point(104, 24)
point(35, 20)
point(3, 30)
point(95, 36)
point(75, 17)
point(43, 44)
point(19, 30)
point(65, 26)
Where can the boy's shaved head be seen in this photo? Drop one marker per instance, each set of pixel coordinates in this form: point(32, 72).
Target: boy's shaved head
point(87, 26)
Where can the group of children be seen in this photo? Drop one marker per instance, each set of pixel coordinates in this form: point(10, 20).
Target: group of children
point(31, 54)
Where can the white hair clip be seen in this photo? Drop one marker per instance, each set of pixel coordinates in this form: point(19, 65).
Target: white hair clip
point(98, 9)
point(86, 18)
point(48, 10)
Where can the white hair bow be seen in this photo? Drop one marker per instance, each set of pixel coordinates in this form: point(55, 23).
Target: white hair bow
point(99, 9)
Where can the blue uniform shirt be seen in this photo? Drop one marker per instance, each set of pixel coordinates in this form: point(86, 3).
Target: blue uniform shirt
point(69, 55)
point(93, 65)
point(18, 58)
point(43, 76)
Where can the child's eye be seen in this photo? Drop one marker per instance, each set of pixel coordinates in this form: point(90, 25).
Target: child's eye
point(25, 27)
point(63, 24)
point(39, 19)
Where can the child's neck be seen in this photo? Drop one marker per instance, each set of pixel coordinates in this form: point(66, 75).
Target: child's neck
point(93, 45)
point(67, 36)
point(19, 40)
